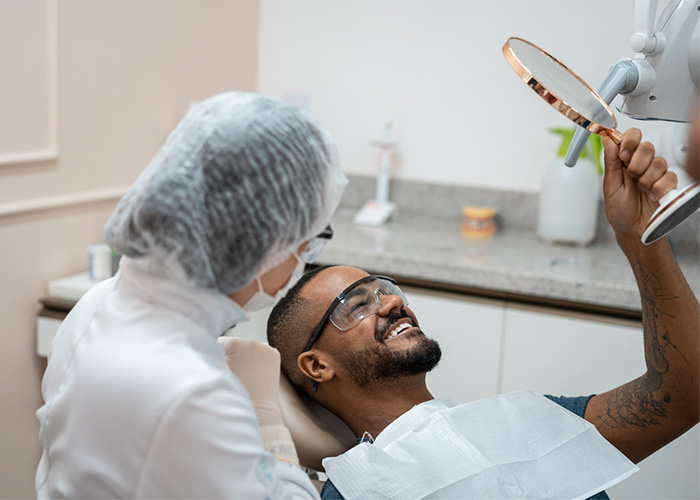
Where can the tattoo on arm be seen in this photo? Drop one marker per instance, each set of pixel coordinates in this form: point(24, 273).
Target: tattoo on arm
point(644, 401)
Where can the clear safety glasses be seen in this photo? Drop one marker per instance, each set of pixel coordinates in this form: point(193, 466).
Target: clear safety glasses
point(315, 246)
point(357, 302)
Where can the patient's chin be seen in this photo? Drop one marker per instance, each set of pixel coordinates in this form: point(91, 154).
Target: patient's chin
point(380, 363)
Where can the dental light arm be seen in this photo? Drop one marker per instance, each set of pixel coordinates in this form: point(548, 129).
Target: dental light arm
point(667, 67)
point(673, 52)
point(623, 77)
point(646, 40)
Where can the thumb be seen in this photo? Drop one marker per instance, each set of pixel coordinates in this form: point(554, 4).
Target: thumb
point(614, 170)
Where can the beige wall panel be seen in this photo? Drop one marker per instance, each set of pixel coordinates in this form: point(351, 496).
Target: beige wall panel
point(127, 72)
point(27, 46)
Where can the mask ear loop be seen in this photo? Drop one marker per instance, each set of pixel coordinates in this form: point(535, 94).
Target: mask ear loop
point(260, 285)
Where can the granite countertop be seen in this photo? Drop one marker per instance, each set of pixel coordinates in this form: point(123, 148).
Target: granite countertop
point(514, 264)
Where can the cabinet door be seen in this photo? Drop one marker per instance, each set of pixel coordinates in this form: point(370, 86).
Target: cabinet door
point(561, 354)
point(573, 356)
point(469, 334)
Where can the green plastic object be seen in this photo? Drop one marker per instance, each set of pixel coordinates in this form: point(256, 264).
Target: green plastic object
point(594, 143)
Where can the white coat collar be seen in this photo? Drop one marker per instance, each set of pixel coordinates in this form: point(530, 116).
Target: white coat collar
point(213, 310)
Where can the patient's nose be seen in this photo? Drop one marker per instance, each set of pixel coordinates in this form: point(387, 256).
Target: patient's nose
point(389, 303)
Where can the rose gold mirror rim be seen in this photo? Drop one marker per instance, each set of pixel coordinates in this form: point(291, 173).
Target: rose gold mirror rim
point(559, 104)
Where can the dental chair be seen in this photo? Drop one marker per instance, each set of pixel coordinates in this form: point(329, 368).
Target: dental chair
point(317, 433)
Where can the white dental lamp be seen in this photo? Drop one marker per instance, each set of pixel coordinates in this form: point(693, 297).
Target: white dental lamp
point(660, 82)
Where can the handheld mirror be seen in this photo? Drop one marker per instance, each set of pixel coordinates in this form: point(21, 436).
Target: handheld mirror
point(566, 92)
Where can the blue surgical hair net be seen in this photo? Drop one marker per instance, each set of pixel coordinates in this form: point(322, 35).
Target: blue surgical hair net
point(239, 184)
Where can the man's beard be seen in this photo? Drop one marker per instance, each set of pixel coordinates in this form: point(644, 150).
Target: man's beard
point(379, 362)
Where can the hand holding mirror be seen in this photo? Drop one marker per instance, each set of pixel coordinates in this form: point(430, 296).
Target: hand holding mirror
point(566, 92)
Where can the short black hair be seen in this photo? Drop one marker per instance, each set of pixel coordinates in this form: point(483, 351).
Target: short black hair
point(289, 327)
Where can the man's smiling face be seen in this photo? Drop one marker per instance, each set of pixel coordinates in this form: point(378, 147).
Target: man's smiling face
point(388, 344)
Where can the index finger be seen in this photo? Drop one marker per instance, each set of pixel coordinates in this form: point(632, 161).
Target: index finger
point(630, 141)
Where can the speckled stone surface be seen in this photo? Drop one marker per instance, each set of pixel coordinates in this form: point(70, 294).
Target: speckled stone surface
point(516, 210)
point(426, 244)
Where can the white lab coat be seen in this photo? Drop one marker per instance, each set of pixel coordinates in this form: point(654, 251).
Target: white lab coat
point(139, 401)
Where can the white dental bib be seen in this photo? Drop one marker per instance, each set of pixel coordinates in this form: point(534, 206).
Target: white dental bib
point(517, 445)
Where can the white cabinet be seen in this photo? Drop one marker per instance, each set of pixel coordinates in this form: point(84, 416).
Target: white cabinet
point(469, 334)
point(569, 355)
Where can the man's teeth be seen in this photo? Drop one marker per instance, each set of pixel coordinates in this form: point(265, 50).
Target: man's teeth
point(397, 330)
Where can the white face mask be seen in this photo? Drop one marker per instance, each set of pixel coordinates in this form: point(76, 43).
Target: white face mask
point(261, 299)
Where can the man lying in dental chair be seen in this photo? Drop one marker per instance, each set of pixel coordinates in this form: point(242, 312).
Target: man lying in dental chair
point(350, 342)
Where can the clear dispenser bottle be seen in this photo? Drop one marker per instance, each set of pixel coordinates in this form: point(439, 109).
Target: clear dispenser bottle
point(570, 196)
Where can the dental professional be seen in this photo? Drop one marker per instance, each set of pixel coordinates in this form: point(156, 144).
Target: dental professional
point(139, 400)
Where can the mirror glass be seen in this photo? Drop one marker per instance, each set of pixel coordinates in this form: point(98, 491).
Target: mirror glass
point(563, 83)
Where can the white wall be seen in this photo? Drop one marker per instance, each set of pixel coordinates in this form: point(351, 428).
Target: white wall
point(125, 73)
point(435, 69)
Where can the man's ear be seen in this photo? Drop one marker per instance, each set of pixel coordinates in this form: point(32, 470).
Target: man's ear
point(315, 366)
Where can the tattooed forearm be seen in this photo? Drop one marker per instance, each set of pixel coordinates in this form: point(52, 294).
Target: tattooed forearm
point(647, 413)
point(663, 356)
point(645, 401)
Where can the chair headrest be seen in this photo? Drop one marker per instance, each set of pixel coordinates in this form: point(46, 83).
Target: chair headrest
point(317, 433)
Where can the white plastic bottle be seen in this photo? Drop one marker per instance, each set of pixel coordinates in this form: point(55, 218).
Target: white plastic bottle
point(569, 200)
